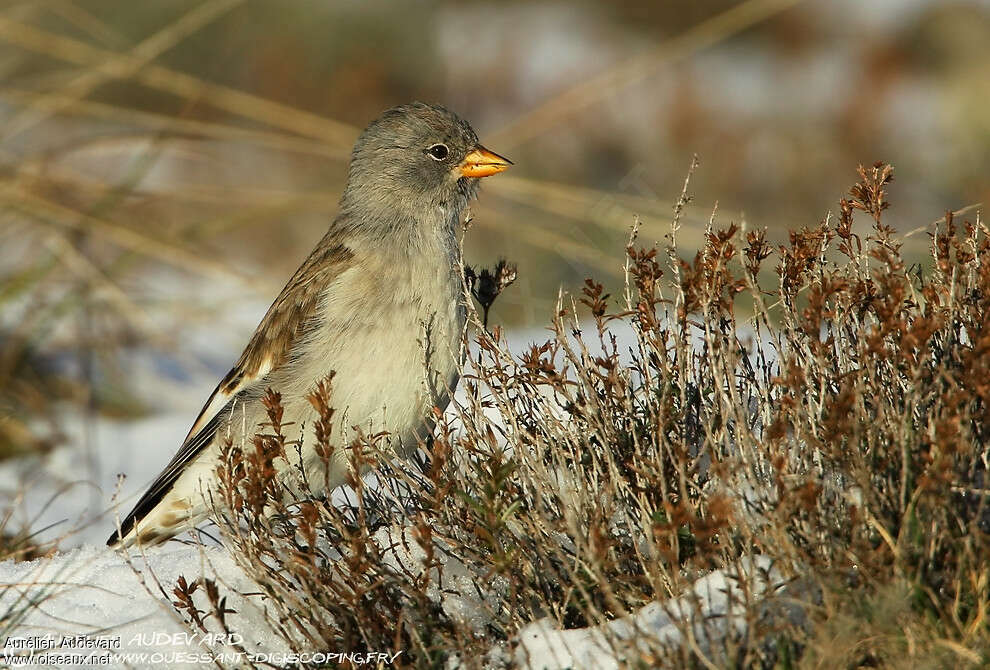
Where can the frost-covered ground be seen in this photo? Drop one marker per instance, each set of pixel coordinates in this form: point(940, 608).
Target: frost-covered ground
point(121, 609)
point(88, 604)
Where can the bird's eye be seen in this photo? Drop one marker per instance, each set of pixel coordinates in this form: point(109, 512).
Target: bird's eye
point(438, 152)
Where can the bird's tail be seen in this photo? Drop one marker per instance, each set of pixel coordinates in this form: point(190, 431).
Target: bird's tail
point(162, 522)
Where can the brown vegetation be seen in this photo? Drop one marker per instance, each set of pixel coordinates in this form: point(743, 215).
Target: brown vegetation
point(839, 431)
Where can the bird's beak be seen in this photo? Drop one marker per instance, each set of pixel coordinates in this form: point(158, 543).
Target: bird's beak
point(480, 162)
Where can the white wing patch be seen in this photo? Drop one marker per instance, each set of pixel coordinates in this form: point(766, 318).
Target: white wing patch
point(224, 392)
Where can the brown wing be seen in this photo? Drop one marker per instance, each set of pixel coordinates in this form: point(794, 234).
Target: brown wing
point(270, 347)
point(286, 319)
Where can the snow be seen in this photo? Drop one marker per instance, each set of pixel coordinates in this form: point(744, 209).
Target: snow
point(711, 609)
point(124, 601)
point(122, 607)
point(122, 604)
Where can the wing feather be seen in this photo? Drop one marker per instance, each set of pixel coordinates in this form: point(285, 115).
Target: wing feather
point(271, 346)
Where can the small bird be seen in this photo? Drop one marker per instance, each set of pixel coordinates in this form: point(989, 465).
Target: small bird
point(378, 304)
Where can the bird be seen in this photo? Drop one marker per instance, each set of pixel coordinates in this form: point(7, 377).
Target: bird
point(378, 306)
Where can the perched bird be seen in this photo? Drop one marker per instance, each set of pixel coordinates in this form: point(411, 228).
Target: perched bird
point(378, 303)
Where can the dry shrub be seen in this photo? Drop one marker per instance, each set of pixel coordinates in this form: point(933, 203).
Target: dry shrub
point(839, 430)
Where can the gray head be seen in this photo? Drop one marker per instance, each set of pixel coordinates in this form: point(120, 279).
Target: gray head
point(414, 161)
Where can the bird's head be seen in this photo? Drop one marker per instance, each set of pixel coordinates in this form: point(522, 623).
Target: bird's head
point(415, 159)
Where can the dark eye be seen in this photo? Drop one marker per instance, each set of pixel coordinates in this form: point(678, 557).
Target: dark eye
point(438, 151)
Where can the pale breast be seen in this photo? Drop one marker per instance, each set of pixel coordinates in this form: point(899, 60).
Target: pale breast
point(391, 335)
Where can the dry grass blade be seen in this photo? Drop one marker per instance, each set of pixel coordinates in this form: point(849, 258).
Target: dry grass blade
point(15, 196)
point(103, 285)
point(959, 212)
point(114, 67)
point(605, 209)
point(637, 68)
point(188, 87)
point(249, 198)
point(579, 253)
point(166, 125)
point(86, 22)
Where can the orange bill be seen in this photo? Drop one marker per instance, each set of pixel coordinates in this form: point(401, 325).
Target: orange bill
point(480, 162)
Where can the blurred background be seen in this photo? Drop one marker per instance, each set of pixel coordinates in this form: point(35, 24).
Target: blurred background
point(165, 166)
